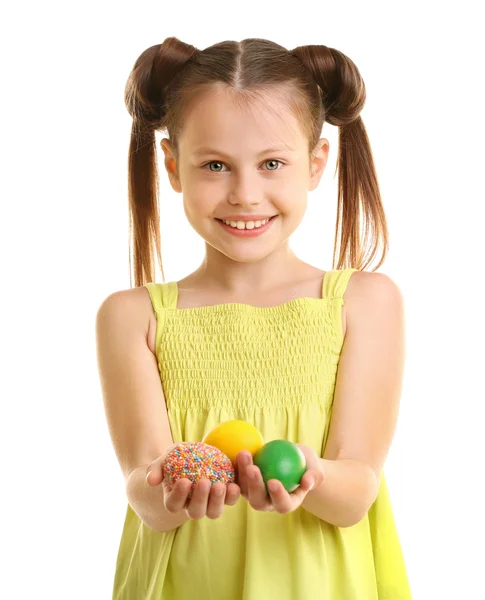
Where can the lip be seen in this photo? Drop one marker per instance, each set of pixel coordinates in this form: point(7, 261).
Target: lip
point(247, 232)
point(247, 218)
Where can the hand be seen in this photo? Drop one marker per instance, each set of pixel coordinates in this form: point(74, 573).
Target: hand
point(207, 500)
point(279, 499)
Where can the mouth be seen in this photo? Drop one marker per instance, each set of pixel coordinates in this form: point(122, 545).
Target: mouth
point(255, 231)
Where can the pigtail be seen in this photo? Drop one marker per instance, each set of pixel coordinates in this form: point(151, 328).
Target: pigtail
point(145, 91)
point(343, 97)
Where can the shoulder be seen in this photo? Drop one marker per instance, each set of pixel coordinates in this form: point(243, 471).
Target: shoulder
point(129, 306)
point(369, 293)
point(368, 283)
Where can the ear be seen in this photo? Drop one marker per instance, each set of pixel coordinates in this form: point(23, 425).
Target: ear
point(171, 165)
point(318, 163)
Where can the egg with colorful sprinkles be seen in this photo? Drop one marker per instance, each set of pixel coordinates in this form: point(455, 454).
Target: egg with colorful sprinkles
point(194, 461)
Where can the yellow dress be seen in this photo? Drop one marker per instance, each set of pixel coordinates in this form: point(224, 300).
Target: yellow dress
point(274, 367)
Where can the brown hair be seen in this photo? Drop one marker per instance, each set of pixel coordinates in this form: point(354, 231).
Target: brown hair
point(322, 84)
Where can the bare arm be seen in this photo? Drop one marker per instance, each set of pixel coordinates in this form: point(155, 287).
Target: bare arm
point(134, 402)
point(348, 490)
point(138, 420)
point(366, 402)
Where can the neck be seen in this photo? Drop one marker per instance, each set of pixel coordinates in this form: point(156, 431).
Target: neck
point(234, 277)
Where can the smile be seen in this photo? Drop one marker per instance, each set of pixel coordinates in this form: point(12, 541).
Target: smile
point(243, 232)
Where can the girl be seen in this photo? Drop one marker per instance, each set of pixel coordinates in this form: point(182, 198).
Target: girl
point(254, 334)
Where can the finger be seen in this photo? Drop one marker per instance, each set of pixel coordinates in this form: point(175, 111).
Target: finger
point(281, 499)
point(257, 495)
point(233, 492)
point(310, 480)
point(243, 460)
point(215, 504)
point(155, 472)
point(197, 507)
point(176, 497)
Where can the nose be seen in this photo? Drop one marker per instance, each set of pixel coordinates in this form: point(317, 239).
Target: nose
point(245, 189)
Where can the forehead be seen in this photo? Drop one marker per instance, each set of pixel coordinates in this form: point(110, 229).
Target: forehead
point(219, 118)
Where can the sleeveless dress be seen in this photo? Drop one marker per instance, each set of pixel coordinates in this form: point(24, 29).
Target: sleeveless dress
point(274, 367)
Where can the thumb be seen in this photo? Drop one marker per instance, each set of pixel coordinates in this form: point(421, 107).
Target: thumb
point(154, 474)
point(318, 478)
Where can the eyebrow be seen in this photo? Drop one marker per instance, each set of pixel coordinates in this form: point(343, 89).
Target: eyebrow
point(203, 151)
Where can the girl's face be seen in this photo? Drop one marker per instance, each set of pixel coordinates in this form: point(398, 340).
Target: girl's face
point(237, 163)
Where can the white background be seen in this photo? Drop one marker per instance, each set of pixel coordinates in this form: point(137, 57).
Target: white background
point(64, 248)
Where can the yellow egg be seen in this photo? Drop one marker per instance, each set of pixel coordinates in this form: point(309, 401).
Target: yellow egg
point(233, 436)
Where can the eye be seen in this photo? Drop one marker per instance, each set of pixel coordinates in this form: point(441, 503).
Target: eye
point(217, 162)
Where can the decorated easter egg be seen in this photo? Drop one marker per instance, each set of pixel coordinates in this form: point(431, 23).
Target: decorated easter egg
point(194, 461)
point(282, 460)
point(233, 436)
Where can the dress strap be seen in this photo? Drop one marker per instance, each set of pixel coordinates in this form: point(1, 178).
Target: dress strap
point(163, 295)
point(335, 282)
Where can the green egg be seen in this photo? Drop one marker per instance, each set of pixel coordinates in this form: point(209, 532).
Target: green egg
point(282, 460)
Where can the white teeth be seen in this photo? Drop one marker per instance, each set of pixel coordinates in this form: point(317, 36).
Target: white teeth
point(246, 224)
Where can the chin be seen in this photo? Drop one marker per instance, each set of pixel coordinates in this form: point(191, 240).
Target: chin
point(248, 256)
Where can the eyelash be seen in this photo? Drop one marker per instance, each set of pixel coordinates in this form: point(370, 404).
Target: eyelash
point(267, 160)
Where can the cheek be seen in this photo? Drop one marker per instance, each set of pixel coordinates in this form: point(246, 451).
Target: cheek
point(199, 202)
point(294, 204)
